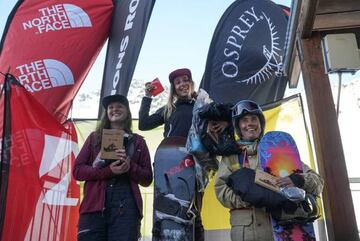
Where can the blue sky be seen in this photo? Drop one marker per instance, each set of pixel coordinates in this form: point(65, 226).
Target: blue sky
point(178, 35)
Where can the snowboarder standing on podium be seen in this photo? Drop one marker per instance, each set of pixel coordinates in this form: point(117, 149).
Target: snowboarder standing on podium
point(176, 116)
point(248, 222)
point(112, 206)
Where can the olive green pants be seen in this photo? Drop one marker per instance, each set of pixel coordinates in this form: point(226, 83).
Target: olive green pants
point(251, 224)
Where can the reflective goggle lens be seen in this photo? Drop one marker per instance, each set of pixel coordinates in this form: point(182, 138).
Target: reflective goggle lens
point(248, 106)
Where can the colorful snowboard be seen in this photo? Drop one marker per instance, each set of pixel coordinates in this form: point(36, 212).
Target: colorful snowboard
point(174, 190)
point(279, 156)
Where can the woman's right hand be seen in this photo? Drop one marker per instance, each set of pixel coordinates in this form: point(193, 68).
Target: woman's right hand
point(122, 165)
point(119, 167)
point(148, 88)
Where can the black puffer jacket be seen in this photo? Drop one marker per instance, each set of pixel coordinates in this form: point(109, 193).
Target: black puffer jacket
point(225, 144)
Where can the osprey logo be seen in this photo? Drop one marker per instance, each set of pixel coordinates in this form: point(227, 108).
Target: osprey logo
point(58, 17)
point(253, 51)
point(44, 74)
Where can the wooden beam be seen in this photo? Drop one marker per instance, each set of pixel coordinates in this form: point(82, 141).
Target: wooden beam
point(337, 21)
point(307, 17)
point(338, 205)
point(295, 71)
point(335, 6)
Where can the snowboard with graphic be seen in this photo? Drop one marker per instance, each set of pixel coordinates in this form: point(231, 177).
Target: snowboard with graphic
point(279, 156)
point(174, 191)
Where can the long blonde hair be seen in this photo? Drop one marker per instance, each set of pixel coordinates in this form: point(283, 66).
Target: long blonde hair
point(170, 106)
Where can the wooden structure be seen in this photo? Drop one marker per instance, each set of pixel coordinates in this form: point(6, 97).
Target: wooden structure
point(310, 21)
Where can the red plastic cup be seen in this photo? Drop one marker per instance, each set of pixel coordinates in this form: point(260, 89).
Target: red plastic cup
point(156, 87)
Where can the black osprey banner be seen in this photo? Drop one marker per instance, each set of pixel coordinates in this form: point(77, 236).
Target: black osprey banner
point(245, 55)
point(130, 20)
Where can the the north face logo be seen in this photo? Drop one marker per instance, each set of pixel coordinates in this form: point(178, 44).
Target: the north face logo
point(58, 17)
point(44, 74)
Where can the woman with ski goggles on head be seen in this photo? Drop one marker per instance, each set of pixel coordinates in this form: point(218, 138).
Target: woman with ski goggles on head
point(248, 222)
point(112, 205)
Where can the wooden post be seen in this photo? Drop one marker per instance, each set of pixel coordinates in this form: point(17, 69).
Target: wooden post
point(338, 206)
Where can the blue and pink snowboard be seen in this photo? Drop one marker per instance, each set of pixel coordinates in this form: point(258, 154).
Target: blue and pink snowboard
point(279, 156)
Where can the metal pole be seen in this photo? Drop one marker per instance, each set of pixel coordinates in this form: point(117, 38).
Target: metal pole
point(5, 150)
point(338, 97)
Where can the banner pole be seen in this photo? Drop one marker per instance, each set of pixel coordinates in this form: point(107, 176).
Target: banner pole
point(5, 149)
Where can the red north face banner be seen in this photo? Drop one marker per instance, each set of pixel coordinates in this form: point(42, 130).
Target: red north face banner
point(41, 196)
point(49, 46)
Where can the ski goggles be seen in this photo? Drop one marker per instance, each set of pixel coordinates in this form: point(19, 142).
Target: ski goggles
point(245, 106)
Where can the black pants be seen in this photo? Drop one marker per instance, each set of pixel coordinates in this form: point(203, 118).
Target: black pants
point(120, 221)
point(199, 229)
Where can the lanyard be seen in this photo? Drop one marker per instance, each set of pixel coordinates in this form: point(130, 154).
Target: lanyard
point(243, 159)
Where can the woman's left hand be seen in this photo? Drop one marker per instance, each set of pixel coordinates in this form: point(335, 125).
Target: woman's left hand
point(284, 182)
point(217, 126)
